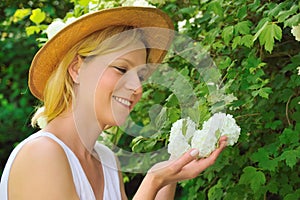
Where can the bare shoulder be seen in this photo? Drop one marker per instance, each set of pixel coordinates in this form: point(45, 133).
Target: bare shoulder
point(40, 171)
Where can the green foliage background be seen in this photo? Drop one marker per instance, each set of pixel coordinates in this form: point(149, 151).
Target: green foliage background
point(257, 56)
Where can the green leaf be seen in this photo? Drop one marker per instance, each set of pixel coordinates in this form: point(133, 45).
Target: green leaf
point(274, 124)
point(236, 42)
point(136, 144)
point(216, 191)
point(254, 87)
point(37, 16)
point(293, 21)
point(255, 5)
point(185, 72)
point(173, 114)
point(161, 117)
point(274, 11)
point(272, 186)
point(225, 63)
point(263, 158)
point(30, 30)
point(171, 100)
point(253, 177)
point(283, 15)
point(247, 40)
point(149, 144)
point(291, 157)
point(289, 136)
point(184, 127)
point(216, 7)
point(293, 196)
point(270, 32)
point(242, 12)
point(83, 2)
point(261, 26)
point(243, 27)
point(227, 34)
point(20, 14)
point(264, 92)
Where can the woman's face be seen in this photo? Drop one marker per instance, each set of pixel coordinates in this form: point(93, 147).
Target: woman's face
point(112, 81)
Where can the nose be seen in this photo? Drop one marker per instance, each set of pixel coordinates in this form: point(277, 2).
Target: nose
point(133, 82)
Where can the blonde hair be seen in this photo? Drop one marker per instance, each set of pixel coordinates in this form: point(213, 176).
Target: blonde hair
point(58, 93)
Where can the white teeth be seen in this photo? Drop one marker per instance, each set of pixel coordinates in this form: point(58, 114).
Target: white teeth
point(123, 101)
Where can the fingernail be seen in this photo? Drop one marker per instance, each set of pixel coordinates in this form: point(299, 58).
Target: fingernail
point(194, 152)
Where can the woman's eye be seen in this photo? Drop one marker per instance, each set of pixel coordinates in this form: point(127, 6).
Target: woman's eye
point(121, 69)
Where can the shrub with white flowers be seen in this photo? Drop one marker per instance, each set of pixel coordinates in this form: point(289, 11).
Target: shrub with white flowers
point(184, 135)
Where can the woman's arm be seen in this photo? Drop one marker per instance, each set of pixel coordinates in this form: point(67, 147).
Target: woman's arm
point(122, 188)
point(41, 171)
point(167, 192)
point(168, 173)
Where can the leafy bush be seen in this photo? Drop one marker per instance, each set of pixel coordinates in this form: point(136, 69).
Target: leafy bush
point(17, 50)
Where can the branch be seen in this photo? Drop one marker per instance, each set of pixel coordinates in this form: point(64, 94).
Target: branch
point(287, 109)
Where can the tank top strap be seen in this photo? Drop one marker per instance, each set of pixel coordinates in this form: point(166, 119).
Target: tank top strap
point(110, 171)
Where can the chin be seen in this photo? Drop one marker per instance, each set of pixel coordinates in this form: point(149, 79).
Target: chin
point(117, 121)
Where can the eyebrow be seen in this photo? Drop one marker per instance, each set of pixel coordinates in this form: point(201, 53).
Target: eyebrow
point(129, 61)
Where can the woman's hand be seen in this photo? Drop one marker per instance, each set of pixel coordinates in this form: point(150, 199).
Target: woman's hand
point(188, 166)
point(185, 167)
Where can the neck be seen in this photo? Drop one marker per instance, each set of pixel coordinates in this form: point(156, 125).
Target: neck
point(79, 135)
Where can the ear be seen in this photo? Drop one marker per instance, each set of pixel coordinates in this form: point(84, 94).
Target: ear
point(74, 68)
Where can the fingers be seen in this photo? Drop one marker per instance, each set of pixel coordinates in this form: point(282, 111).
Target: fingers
point(210, 160)
point(177, 164)
point(192, 154)
point(223, 139)
point(185, 159)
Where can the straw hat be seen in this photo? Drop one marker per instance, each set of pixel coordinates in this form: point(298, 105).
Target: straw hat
point(49, 56)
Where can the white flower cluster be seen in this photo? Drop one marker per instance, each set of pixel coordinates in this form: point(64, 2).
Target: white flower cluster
point(296, 32)
point(182, 132)
point(181, 24)
point(140, 3)
point(57, 25)
point(184, 135)
point(41, 121)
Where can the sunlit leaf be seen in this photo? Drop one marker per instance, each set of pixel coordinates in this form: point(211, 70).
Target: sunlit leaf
point(268, 34)
point(20, 14)
point(30, 30)
point(37, 16)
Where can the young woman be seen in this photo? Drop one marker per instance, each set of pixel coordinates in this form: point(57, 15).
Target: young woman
point(89, 78)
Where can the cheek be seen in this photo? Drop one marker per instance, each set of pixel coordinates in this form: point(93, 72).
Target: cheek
point(139, 96)
point(106, 86)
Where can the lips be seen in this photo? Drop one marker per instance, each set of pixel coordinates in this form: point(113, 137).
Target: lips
point(123, 101)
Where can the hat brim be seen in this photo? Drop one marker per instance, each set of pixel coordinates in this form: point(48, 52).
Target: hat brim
point(50, 55)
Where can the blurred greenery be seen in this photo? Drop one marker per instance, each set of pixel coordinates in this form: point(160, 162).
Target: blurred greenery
point(256, 56)
point(17, 50)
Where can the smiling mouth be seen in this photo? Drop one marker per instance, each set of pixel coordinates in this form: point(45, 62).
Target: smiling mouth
point(122, 101)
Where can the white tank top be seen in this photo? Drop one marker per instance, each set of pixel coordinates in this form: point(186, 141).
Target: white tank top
point(82, 185)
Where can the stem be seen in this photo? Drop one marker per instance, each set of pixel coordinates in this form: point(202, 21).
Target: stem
point(287, 109)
